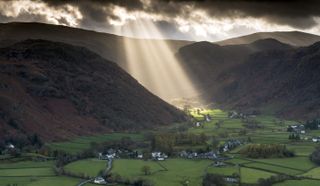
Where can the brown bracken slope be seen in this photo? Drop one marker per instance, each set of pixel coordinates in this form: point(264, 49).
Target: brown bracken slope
point(60, 91)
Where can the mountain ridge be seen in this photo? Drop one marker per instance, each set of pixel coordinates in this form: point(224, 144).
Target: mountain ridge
point(294, 38)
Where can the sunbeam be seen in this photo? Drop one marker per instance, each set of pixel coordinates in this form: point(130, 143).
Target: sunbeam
point(154, 65)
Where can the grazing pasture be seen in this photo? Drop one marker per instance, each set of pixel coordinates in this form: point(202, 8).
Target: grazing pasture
point(39, 181)
point(87, 167)
point(227, 171)
point(313, 173)
point(273, 168)
point(249, 175)
point(170, 172)
point(303, 182)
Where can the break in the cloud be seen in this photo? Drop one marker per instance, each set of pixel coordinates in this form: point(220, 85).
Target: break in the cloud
point(184, 19)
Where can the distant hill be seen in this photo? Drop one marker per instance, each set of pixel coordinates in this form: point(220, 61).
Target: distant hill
point(265, 75)
point(205, 61)
point(60, 91)
point(286, 82)
point(294, 38)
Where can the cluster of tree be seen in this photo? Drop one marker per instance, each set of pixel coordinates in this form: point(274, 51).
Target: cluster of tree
point(146, 170)
point(165, 142)
point(213, 180)
point(266, 151)
point(315, 155)
point(294, 136)
point(312, 124)
point(123, 143)
point(116, 178)
point(252, 123)
point(22, 143)
point(190, 139)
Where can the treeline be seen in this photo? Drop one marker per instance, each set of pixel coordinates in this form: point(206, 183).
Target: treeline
point(165, 142)
point(116, 178)
point(275, 179)
point(266, 151)
point(22, 143)
point(312, 124)
point(315, 156)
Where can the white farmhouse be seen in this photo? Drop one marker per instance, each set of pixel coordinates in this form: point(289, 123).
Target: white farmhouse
point(99, 180)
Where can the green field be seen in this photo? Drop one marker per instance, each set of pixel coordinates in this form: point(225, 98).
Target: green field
point(228, 171)
point(313, 173)
point(249, 175)
point(274, 168)
point(298, 163)
point(26, 164)
point(299, 183)
point(169, 172)
point(26, 169)
point(87, 167)
point(40, 181)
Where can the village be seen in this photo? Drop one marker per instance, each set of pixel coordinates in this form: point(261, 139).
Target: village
point(215, 142)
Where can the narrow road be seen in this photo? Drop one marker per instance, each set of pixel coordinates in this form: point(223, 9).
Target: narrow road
point(109, 166)
point(84, 182)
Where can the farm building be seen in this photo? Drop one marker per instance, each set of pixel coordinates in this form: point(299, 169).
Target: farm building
point(194, 155)
point(300, 129)
point(160, 156)
point(99, 180)
point(316, 139)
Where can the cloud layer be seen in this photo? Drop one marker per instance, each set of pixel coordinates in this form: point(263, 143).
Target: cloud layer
point(184, 19)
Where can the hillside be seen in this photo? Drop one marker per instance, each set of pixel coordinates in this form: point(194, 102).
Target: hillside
point(60, 91)
point(122, 50)
point(265, 75)
point(294, 38)
point(205, 60)
point(282, 82)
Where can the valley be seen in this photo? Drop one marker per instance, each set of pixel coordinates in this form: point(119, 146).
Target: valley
point(84, 163)
point(159, 93)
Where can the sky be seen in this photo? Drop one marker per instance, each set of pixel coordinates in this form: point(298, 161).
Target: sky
point(180, 19)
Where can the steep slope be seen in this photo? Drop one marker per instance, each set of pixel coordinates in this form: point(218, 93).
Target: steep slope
point(294, 38)
point(285, 81)
point(265, 75)
point(59, 91)
point(124, 51)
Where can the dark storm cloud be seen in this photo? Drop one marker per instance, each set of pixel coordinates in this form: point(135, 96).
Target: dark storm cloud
point(295, 13)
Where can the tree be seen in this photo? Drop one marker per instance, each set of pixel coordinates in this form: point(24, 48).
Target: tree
point(313, 124)
point(213, 180)
point(215, 142)
point(203, 138)
point(146, 170)
point(315, 156)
